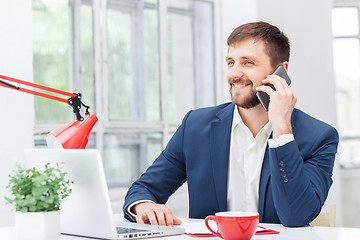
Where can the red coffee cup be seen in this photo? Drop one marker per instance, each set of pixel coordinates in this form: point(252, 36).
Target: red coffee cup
point(234, 225)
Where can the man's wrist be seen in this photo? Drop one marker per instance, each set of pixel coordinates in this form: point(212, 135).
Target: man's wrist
point(129, 209)
point(281, 140)
point(284, 129)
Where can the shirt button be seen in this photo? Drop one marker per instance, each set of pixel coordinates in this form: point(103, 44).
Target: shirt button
point(283, 174)
point(285, 179)
point(282, 169)
point(281, 163)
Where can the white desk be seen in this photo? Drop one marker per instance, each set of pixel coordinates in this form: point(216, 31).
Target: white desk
point(308, 233)
point(313, 233)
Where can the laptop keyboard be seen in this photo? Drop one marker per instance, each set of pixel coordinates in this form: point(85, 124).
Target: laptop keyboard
point(129, 230)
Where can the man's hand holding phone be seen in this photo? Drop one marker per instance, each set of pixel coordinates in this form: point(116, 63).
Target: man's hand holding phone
point(281, 104)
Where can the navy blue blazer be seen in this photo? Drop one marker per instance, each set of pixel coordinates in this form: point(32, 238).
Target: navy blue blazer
point(294, 182)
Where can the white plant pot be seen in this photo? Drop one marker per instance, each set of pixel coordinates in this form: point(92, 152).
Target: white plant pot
point(38, 225)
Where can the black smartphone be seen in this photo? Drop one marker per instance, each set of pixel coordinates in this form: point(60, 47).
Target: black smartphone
point(263, 97)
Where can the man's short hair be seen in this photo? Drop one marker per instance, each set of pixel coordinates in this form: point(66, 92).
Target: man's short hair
point(276, 43)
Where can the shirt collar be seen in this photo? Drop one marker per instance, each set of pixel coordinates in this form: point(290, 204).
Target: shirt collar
point(237, 120)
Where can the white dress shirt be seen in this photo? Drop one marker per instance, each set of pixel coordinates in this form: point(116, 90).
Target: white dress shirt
point(245, 162)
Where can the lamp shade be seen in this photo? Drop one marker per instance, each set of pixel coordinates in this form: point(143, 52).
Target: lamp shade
point(73, 134)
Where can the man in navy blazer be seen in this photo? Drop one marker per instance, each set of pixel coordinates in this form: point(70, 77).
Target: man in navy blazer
point(296, 160)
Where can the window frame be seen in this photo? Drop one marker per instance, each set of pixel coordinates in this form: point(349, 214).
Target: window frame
point(344, 137)
point(100, 70)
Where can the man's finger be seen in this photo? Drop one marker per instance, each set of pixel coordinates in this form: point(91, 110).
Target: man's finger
point(169, 217)
point(266, 89)
point(160, 217)
point(276, 81)
point(139, 219)
point(152, 218)
point(177, 221)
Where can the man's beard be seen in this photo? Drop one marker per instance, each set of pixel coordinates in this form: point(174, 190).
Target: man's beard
point(249, 102)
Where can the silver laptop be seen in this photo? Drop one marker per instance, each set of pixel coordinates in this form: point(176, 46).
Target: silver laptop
point(87, 212)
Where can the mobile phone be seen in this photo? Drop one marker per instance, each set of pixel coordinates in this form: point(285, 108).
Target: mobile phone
point(263, 97)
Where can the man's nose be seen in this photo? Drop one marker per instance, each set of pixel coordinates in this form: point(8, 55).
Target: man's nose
point(235, 72)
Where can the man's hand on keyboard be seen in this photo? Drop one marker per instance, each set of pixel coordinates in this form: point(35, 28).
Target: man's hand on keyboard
point(156, 214)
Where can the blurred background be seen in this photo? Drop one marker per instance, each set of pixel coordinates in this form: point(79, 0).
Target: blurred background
point(142, 64)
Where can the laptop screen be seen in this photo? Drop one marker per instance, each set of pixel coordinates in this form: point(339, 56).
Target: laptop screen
point(87, 211)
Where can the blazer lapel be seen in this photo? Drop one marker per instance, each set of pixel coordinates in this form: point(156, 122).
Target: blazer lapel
point(219, 148)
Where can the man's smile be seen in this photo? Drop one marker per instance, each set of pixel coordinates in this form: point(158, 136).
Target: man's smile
point(239, 85)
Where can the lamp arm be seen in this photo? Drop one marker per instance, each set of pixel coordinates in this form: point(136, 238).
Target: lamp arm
point(9, 85)
point(74, 101)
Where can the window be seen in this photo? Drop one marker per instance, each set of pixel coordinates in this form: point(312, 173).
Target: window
point(140, 65)
point(51, 57)
point(346, 49)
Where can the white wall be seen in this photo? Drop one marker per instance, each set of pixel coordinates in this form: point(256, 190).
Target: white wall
point(17, 111)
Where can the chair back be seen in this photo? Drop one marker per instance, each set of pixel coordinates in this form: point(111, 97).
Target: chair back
point(326, 219)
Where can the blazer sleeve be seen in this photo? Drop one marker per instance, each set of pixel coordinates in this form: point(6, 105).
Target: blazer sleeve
point(163, 177)
point(301, 179)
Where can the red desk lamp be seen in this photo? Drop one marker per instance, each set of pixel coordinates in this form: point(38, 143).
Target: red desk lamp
point(74, 134)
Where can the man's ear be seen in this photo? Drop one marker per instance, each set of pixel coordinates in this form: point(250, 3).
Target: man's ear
point(285, 64)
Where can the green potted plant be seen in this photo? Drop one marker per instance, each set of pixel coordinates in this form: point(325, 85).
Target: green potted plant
point(37, 196)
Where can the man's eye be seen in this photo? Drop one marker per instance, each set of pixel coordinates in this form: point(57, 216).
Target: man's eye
point(230, 63)
point(249, 63)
